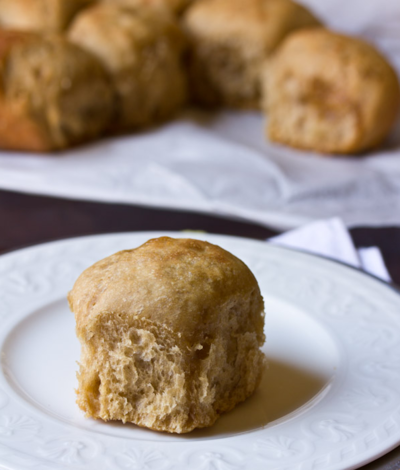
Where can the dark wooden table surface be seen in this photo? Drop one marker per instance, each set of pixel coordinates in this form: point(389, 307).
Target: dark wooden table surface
point(27, 220)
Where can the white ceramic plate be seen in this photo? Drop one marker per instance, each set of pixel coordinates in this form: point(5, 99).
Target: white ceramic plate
point(329, 400)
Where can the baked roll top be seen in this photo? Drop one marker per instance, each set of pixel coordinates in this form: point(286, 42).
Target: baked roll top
point(171, 6)
point(53, 94)
point(170, 334)
point(229, 42)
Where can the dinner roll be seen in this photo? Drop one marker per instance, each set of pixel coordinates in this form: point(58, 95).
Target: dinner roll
point(170, 335)
point(330, 93)
point(230, 40)
point(49, 93)
point(39, 15)
point(142, 51)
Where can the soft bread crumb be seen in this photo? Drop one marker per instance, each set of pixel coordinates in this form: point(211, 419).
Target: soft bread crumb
point(142, 50)
point(328, 92)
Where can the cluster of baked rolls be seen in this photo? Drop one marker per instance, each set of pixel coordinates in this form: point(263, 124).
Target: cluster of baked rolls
point(74, 70)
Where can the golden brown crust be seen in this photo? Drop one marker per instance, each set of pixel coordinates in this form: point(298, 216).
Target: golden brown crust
point(39, 15)
point(49, 92)
point(330, 93)
point(17, 130)
point(141, 48)
point(193, 308)
point(230, 40)
point(173, 6)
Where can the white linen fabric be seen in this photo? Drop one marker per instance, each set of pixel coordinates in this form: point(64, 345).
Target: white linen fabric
point(330, 238)
point(222, 164)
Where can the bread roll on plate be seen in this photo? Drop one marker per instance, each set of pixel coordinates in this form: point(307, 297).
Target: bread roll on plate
point(49, 93)
point(170, 333)
point(39, 15)
point(330, 93)
point(141, 48)
point(230, 40)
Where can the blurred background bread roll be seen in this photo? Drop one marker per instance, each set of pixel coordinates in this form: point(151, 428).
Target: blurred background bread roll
point(229, 42)
point(142, 50)
point(49, 93)
point(171, 333)
point(330, 93)
point(39, 15)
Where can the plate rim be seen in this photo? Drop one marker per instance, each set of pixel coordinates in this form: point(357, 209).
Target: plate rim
point(12, 251)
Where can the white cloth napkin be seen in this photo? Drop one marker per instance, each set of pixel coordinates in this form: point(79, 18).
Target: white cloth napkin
point(330, 238)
